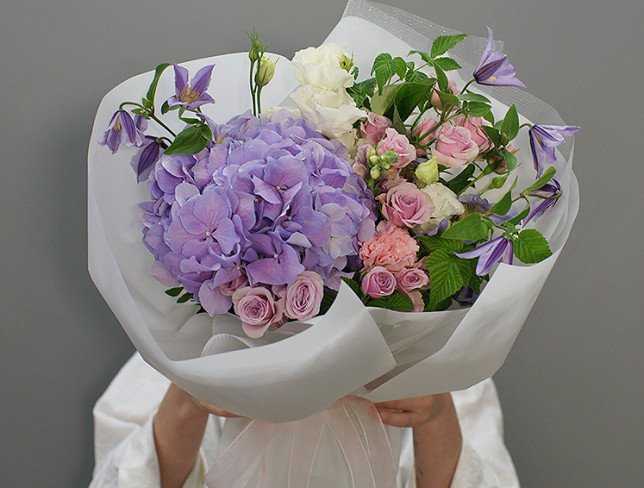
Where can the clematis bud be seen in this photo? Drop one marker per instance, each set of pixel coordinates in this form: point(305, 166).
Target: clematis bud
point(265, 71)
point(427, 172)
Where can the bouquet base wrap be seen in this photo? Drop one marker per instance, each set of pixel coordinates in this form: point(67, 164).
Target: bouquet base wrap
point(305, 370)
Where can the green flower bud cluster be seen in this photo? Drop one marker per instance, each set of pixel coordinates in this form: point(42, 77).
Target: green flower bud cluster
point(380, 163)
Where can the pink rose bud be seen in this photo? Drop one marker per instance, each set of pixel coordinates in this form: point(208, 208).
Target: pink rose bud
point(411, 279)
point(422, 130)
point(379, 282)
point(400, 145)
point(475, 126)
point(454, 147)
point(436, 100)
point(374, 128)
point(304, 296)
point(257, 309)
point(406, 206)
point(227, 289)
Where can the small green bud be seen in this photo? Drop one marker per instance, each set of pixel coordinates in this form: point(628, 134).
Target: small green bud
point(346, 63)
point(385, 165)
point(427, 172)
point(371, 151)
point(265, 71)
point(256, 47)
point(374, 159)
point(375, 172)
point(389, 156)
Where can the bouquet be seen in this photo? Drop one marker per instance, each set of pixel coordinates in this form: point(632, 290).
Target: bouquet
point(361, 228)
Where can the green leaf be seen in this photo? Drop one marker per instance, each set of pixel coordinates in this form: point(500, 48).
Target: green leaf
point(400, 67)
point(449, 274)
point(503, 205)
point(174, 292)
point(419, 76)
point(461, 180)
point(398, 123)
point(184, 298)
point(188, 141)
point(473, 97)
point(442, 44)
point(155, 81)
point(471, 228)
point(477, 109)
point(423, 55)
point(519, 217)
point(361, 91)
point(354, 285)
point(530, 246)
point(381, 103)
point(438, 307)
point(441, 77)
point(498, 182)
point(510, 159)
point(446, 64)
point(493, 134)
point(545, 178)
point(510, 125)
point(327, 300)
point(409, 96)
point(448, 101)
point(433, 243)
point(398, 302)
point(385, 67)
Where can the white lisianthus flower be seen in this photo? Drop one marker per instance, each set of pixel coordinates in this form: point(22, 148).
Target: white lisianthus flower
point(320, 67)
point(332, 112)
point(445, 202)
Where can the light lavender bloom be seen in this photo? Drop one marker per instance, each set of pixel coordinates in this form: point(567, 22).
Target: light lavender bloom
point(123, 130)
point(499, 249)
point(494, 68)
point(191, 95)
point(549, 194)
point(543, 141)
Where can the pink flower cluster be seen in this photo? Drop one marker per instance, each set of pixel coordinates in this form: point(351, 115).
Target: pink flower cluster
point(390, 264)
point(259, 309)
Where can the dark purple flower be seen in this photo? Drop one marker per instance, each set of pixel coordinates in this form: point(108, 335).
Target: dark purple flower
point(497, 250)
point(543, 141)
point(148, 155)
point(191, 95)
point(466, 296)
point(494, 68)
point(123, 130)
point(549, 195)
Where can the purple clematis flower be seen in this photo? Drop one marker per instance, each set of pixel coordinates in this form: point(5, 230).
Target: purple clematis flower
point(123, 130)
point(550, 194)
point(475, 203)
point(543, 141)
point(494, 68)
point(191, 95)
point(499, 249)
point(143, 162)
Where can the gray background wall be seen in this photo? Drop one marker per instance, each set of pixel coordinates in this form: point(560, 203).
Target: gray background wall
point(572, 386)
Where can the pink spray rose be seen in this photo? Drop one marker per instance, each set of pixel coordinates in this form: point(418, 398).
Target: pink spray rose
point(454, 147)
point(391, 247)
point(379, 282)
point(257, 309)
point(374, 128)
point(401, 146)
point(436, 101)
point(304, 296)
point(410, 279)
point(475, 126)
point(406, 206)
point(227, 289)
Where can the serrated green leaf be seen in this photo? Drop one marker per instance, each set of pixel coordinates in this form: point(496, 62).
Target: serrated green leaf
point(448, 101)
point(448, 275)
point(400, 67)
point(433, 243)
point(188, 141)
point(423, 55)
point(419, 76)
point(174, 292)
point(398, 302)
point(477, 109)
point(547, 175)
point(441, 77)
point(384, 68)
point(382, 103)
point(503, 206)
point(510, 125)
point(471, 228)
point(397, 122)
point(155, 81)
point(530, 246)
point(409, 96)
point(473, 97)
point(439, 307)
point(446, 64)
point(462, 179)
point(442, 44)
point(361, 91)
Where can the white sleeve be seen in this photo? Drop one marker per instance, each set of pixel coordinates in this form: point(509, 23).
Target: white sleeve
point(485, 461)
point(125, 451)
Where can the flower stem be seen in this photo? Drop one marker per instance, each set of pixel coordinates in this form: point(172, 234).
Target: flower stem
point(467, 84)
point(485, 172)
point(252, 88)
point(150, 114)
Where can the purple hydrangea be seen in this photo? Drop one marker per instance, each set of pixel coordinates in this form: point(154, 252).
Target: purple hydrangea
point(270, 199)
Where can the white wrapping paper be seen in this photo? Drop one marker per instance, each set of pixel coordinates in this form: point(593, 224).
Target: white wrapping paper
point(375, 353)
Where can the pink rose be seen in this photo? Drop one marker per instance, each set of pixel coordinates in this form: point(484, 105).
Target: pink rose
point(379, 282)
point(475, 126)
point(406, 206)
point(304, 296)
point(257, 309)
point(374, 128)
point(391, 247)
point(400, 145)
point(422, 130)
point(436, 100)
point(454, 147)
point(410, 279)
point(227, 289)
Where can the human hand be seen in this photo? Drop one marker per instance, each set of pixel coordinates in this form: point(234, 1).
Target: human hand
point(413, 412)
